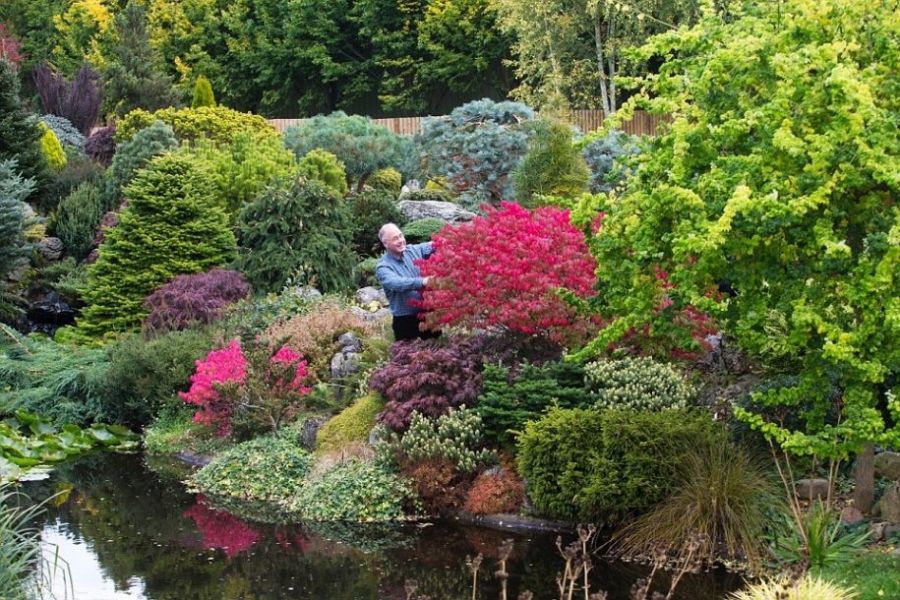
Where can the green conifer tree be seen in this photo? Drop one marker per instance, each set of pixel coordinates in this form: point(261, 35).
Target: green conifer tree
point(172, 225)
point(20, 137)
point(203, 93)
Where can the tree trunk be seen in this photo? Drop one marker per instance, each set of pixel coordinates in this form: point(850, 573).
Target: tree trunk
point(864, 494)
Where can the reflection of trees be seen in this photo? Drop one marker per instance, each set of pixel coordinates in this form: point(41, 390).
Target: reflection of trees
point(135, 523)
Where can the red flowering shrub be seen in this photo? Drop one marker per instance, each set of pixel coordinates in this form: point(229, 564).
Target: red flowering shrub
point(221, 529)
point(425, 377)
point(257, 388)
point(504, 270)
point(194, 298)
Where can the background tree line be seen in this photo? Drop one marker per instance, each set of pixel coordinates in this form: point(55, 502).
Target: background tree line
point(295, 58)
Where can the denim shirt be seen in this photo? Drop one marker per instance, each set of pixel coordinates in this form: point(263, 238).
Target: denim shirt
point(400, 278)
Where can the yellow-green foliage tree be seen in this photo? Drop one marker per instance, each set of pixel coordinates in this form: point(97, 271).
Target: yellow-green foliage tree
point(217, 123)
point(779, 174)
point(172, 225)
point(53, 150)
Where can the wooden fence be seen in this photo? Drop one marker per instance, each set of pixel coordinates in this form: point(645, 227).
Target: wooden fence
point(586, 120)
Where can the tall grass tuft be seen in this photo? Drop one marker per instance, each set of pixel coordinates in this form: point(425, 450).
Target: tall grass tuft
point(718, 510)
point(20, 547)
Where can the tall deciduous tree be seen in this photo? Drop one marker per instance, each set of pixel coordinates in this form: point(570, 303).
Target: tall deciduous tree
point(780, 175)
point(568, 52)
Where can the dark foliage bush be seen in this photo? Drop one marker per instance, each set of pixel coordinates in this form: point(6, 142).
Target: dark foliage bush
point(296, 230)
point(79, 169)
point(421, 230)
point(372, 208)
point(78, 101)
point(77, 218)
point(510, 397)
point(588, 465)
point(145, 375)
point(192, 299)
point(101, 145)
point(427, 377)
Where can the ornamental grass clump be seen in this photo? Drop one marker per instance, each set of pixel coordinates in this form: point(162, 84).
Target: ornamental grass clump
point(640, 383)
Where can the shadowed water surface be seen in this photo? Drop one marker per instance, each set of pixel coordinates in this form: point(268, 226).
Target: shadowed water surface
point(126, 530)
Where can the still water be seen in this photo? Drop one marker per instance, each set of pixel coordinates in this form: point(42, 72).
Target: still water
point(124, 527)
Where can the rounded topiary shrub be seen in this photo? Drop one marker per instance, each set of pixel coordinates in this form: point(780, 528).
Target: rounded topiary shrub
point(422, 230)
point(640, 383)
point(325, 167)
point(389, 180)
point(193, 299)
point(297, 230)
point(217, 123)
point(352, 424)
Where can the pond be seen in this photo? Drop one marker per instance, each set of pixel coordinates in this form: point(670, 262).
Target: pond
point(125, 527)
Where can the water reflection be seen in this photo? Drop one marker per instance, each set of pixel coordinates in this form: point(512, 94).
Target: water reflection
point(129, 531)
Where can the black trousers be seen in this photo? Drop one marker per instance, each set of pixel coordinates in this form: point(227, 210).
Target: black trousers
point(407, 328)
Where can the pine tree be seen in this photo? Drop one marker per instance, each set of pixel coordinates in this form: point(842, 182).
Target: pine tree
point(13, 249)
point(173, 225)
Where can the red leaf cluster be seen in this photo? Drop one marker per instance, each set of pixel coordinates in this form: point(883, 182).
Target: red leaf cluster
point(196, 298)
point(504, 269)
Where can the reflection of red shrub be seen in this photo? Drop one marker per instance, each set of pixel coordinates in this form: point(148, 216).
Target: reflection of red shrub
point(495, 492)
point(291, 540)
point(221, 529)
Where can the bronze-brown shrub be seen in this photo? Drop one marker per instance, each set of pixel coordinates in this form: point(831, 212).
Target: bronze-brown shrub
point(496, 492)
point(439, 484)
point(315, 333)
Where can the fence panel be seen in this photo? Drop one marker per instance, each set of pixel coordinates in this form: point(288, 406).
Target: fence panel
point(586, 120)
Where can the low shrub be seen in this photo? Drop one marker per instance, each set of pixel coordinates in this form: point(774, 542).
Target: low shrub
point(441, 487)
point(426, 377)
point(639, 383)
point(101, 145)
point(364, 273)
point(193, 299)
point(77, 218)
point(807, 587)
point(67, 134)
point(586, 464)
point(428, 195)
point(422, 230)
point(266, 469)
point(355, 491)
point(496, 491)
point(388, 179)
point(218, 123)
point(325, 167)
point(352, 424)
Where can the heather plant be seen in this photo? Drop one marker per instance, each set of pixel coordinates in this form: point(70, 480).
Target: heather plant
point(553, 165)
point(217, 123)
point(145, 375)
point(68, 135)
point(325, 167)
point(101, 145)
point(427, 378)
point(77, 218)
point(296, 229)
point(52, 149)
point(457, 436)
point(505, 269)
point(422, 230)
point(77, 101)
point(351, 425)
point(637, 383)
point(363, 146)
point(242, 167)
point(172, 225)
point(510, 397)
point(355, 490)
point(314, 332)
point(370, 209)
point(585, 464)
point(131, 156)
point(193, 299)
point(475, 148)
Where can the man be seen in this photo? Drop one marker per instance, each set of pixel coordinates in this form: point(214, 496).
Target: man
point(399, 277)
